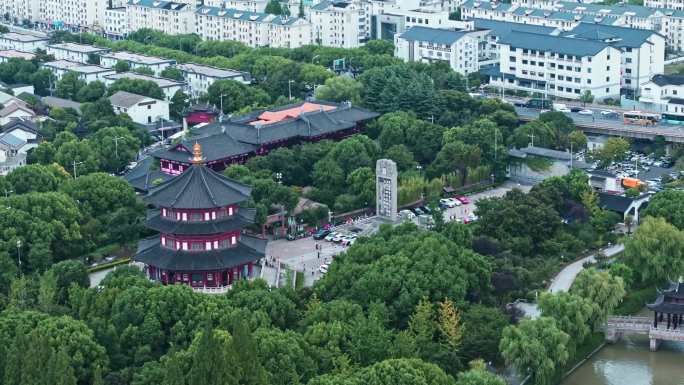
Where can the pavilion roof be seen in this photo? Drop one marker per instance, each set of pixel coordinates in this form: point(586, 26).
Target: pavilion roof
point(670, 300)
point(198, 187)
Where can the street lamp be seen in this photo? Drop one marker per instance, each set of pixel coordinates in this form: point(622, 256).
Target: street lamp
point(19, 254)
point(75, 163)
point(289, 88)
point(314, 58)
point(116, 145)
point(8, 192)
point(279, 177)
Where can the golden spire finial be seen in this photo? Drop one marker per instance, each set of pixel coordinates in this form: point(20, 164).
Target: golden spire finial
point(197, 154)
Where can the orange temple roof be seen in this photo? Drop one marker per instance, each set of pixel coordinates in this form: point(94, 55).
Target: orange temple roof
point(270, 117)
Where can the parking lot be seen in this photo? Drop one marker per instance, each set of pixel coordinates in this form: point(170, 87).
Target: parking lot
point(307, 254)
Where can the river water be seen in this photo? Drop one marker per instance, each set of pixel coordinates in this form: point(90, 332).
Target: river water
point(629, 362)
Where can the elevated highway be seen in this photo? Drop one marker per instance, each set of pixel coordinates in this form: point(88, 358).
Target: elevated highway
point(614, 126)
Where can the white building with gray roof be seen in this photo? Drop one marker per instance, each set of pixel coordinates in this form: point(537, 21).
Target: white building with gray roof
point(168, 86)
point(80, 53)
point(170, 17)
point(251, 28)
point(339, 23)
point(427, 45)
point(135, 60)
point(22, 42)
point(200, 77)
point(557, 66)
point(86, 72)
point(142, 109)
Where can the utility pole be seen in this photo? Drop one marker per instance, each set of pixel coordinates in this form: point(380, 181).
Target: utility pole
point(532, 136)
point(289, 88)
point(314, 58)
point(116, 145)
point(19, 254)
point(75, 163)
point(8, 192)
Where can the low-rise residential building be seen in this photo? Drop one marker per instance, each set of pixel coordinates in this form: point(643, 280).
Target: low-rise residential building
point(642, 52)
point(423, 44)
point(115, 23)
point(81, 53)
point(16, 139)
point(200, 77)
point(170, 17)
point(22, 42)
point(142, 109)
point(665, 94)
point(134, 60)
point(168, 86)
point(559, 66)
point(251, 28)
point(8, 54)
point(241, 5)
point(86, 72)
point(15, 111)
point(339, 23)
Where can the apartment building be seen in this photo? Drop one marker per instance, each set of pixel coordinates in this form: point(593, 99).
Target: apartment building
point(428, 45)
point(170, 17)
point(556, 66)
point(252, 28)
point(134, 60)
point(241, 5)
point(665, 94)
point(20, 10)
point(392, 22)
point(142, 109)
point(339, 23)
point(80, 53)
point(488, 49)
point(22, 42)
point(668, 4)
point(115, 23)
point(642, 52)
point(86, 72)
point(485, 9)
point(168, 86)
point(200, 77)
point(73, 14)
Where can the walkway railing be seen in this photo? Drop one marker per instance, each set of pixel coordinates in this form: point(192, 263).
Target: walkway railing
point(629, 323)
point(212, 290)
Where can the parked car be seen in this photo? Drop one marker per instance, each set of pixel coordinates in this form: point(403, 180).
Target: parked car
point(323, 268)
point(338, 238)
point(408, 214)
point(586, 112)
point(609, 114)
point(418, 211)
point(449, 202)
point(330, 237)
point(320, 234)
point(463, 200)
point(575, 109)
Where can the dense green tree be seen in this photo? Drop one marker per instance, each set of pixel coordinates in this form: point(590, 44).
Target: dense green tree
point(234, 96)
point(274, 8)
point(179, 103)
point(603, 291)
point(615, 149)
point(42, 81)
point(401, 155)
point(668, 204)
point(404, 372)
point(395, 88)
point(571, 312)
point(172, 73)
point(34, 178)
point(340, 89)
point(78, 156)
point(482, 332)
point(361, 183)
point(91, 92)
point(143, 70)
point(478, 375)
point(69, 86)
point(536, 346)
point(136, 86)
point(286, 356)
point(655, 251)
point(455, 156)
point(122, 66)
point(67, 273)
point(116, 147)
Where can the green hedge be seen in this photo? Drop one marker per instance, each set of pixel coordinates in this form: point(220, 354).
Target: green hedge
point(108, 265)
point(635, 300)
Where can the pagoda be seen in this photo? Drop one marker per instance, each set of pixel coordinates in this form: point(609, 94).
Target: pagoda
point(200, 220)
point(669, 306)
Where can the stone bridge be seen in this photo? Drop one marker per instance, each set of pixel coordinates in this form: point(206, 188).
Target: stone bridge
point(617, 326)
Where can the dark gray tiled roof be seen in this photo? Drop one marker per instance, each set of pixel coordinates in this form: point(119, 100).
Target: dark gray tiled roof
point(248, 249)
point(126, 99)
point(244, 217)
point(613, 202)
point(142, 175)
point(237, 137)
point(664, 80)
point(558, 44)
point(198, 187)
point(433, 35)
point(500, 28)
point(613, 35)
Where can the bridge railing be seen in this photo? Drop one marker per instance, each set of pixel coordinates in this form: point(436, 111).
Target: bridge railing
point(666, 334)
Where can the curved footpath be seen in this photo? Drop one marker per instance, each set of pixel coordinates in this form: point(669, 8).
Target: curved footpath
point(564, 279)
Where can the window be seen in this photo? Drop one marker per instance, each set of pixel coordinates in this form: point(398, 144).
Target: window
point(608, 57)
point(553, 65)
point(524, 61)
point(674, 92)
point(628, 70)
point(628, 81)
point(561, 67)
point(578, 69)
point(541, 64)
point(589, 59)
point(628, 60)
point(185, 216)
point(607, 78)
point(511, 59)
point(207, 245)
point(532, 62)
point(524, 72)
point(196, 246)
point(589, 70)
point(195, 217)
point(553, 76)
point(588, 81)
point(561, 77)
point(577, 80)
point(233, 240)
point(577, 91)
point(607, 90)
point(607, 68)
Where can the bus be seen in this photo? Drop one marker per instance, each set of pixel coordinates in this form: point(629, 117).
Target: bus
point(641, 118)
point(539, 104)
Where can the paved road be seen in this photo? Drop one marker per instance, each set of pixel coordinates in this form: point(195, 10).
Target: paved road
point(461, 212)
point(564, 279)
